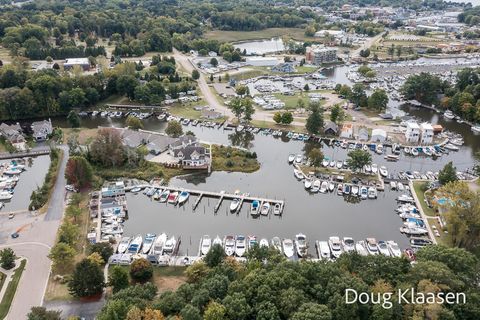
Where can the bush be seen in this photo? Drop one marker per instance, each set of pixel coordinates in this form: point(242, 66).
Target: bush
point(141, 270)
point(7, 258)
point(40, 196)
point(230, 163)
point(103, 248)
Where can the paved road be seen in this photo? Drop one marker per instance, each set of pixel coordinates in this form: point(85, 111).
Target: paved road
point(57, 203)
point(366, 45)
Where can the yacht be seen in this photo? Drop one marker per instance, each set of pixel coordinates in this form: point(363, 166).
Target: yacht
point(371, 245)
point(348, 244)
point(335, 246)
point(301, 244)
point(374, 168)
point(360, 248)
point(323, 250)
point(394, 249)
point(291, 158)
point(206, 244)
point(123, 245)
point(240, 246)
point(324, 187)
point(354, 190)
point(383, 171)
point(255, 208)
point(363, 192)
point(288, 249)
point(298, 174)
point(148, 242)
point(298, 158)
point(229, 245)
point(252, 241)
point(316, 186)
point(372, 193)
point(413, 230)
point(265, 208)
point(383, 248)
point(340, 189)
point(449, 115)
point(347, 189)
point(183, 197)
point(325, 162)
point(234, 205)
point(164, 196)
point(405, 198)
point(5, 195)
point(379, 149)
point(169, 246)
point(476, 128)
point(277, 244)
point(157, 247)
point(307, 184)
point(331, 186)
point(135, 245)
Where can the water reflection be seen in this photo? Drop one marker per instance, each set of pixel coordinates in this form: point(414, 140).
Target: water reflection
point(242, 139)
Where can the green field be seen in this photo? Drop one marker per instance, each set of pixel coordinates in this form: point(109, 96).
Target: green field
point(291, 101)
point(11, 289)
point(233, 36)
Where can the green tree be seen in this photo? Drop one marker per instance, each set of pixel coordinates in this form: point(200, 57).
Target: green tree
point(215, 256)
point(118, 278)
point(358, 158)
point(316, 157)
point(41, 313)
point(79, 172)
point(195, 74)
point(214, 311)
point(248, 110)
point(306, 87)
point(447, 174)
point(241, 90)
point(287, 117)
point(134, 123)
point(315, 119)
point(358, 95)
point(312, 311)
point(236, 306)
point(190, 312)
point(174, 129)
point(336, 114)
point(73, 119)
point(105, 250)
point(68, 233)
point(141, 270)
point(277, 117)
point(378, 100)
point(87, 279)
point(7, 258)
point(126, 85)
point(62, 255)
point(214, 62)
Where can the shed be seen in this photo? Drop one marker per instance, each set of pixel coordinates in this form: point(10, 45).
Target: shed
point(379, 135)
point(362, 134)
point(330, 128)
point(437, 128)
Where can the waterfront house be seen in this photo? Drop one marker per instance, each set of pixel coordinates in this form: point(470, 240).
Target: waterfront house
point(12, 133)
point(42, 129)
point(210, 114)
point(412, 134)
point(192, 157)
point(182, 142)
point(362, 134)
point(426, 133)
point(330, 128)
point(159, 143)
point(379, 135)
point(346, 131)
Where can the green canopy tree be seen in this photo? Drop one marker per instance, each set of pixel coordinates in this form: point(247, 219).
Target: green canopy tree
point(358, 158)
point(447, 174)
point(87, 279)
point(316, 157)
point(73, 119)
point(7, 258)
point(174, 129)
point(378, 100)
point(134, 123)
point(141, 270)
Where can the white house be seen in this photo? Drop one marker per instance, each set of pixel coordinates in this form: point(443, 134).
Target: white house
point(192, 157)
point(412, 134)
point(346, 131)
point(42, 129)
point(379, 135)
point(426, 133)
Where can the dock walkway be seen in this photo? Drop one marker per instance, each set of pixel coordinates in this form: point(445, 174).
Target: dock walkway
point(422, 214)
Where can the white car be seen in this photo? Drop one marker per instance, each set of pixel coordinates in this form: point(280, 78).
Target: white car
point(70, 188)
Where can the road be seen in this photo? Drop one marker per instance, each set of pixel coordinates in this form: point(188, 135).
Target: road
point(366, 45)
point(37, 235)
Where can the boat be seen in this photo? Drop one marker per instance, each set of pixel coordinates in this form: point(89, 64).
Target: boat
point(340, 189)
point(288, 249)
point(361, 249)
point(148, 242)
point(420, 242)
point(229, 245)
point(414, 152)
point(405, 198)
point(136, 190)
point(291, 158)
point(427, 151)
point(298, 158)
point(371, 245)
point(393, 185)
point(157, 247)
point(277, 244)
point(394, 249)
point(374, 168)
point(324, 187)
point(173, 197)
point(339, 164)
point(183, 197)
point(346, 189)
point(331, 186)
point(307, 184)
point(363, 192)
point(5, 195)
point(372, 193)
point(367, 168)
point(400, 186)
point(123, 244)
point(452, 147)
point(335, 246)
point(407, 150)
point(169, 246)
point(252, 241)
point(316, 186)
point(379, 149)
point(383, 171)
point(206, 244)
point(413, 230)
point(217, 241)
point(234, 205)
point(323, 250)
point(476, 128)
point(240, 246)
point(263, 243)
point(12, 171)
point(354, 190)
point(135, 245)
point(392, 157)
point(333, 163)
point(325, 162)
point(164, 196)
point(298, 174)
point(301, 245)
point(449, 115)
point(348, 244)
point(410, 254)
point(255, 208)
point(277, 209)
point(383, 248)
point(265, 208)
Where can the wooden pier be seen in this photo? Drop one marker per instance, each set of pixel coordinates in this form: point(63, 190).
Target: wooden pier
point(34, 153)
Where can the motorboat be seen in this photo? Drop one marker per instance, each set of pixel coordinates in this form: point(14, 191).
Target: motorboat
point(298, 158)
point(277, 244)
point(405, 198)
point(234, 205)
point(123, 244)
point(325, 163)
point(173, 197)
point(164, 196)
point(347, 189)
point(5, 195)
point(414, 151)
point(393, 185)
point(263, 243)
point(148, 242)
point(301, 245)
point(449, 115)
point(333, 163)
point(372, 193)
point(217, 241)
point(340, 189)
point(476, 128)
point(291, 158)
point(420, 242)
point(361, 249)
point(452, 147)
point(410, 254)
point(371, 245)
point(288, 249)
point(265, 208)
point(255, 208)
point(394, 249)
point(157, 247)
point(298, 174)
point(323, 250)
point(307, 184)
point(379, 149)
point(339, 164)
point(354, 190)
point(363, 192)
point(331, 186)
point(383, 248)
point(367, 168)
point(400, 186)
point(135, 245)
point(335, 246)
point(413, 230)
point(277, 209)
point(374, 168)
point(183, 197)
point(407, 150)
point(348, 244)
point(316, 186)
point(206, 244)
point(136, 190)
point(229, 245)
point(252, 241)
point(240, 246)
point(324, 187)
point(383, 171)
point(170, 245)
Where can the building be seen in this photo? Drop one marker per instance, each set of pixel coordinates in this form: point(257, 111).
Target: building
point(412, 134)
point(42, 129)
point(211, 114)
point(330, 128)
point(379, 135)
point(318, 55)
point(426, 133)
point(338, 34)
point(81, 62)
point(261, 61)
point(113, 189)
point(192, 157)
point(13, 133)
point(346, 131)
point(286, 67)
point(362, 134)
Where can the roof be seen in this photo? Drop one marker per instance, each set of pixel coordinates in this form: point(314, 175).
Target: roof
point(188, 151)
point(329, 125)
point(184, 140)
point(412, 125)
point(426, 126)
point(76, 61)
point(10, 130)
point(379, 132)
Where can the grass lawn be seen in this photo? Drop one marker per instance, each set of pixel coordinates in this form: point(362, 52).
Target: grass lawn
point(250, 73)
point(305, 69)
point(85, 135)
point(233, 160)
point(57, 290)
point(3, 276)
point(11, 289)
point(291, 101)
point(233, 36)
point(348, 175)
point(185, 111)
point(417, 186)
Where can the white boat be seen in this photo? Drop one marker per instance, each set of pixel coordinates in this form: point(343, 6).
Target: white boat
point(234, 204)
point(265, 208)
point(340, 189)
point(476, 128)
point(298, 158)
point(298, 174)
point(331, 186)
point(335, 246)
point(371, 245)
point(348, 244)
point(206, 244)
point(363, 192)
point(355, 190)
point(452, 147)
point(277, 244)
point(325, 162)
point(405, 198)
point(164, 195)
point(255, 208)
point(414, 151)
point(394, 249)
point(135, 245)
point(307, 184)
point(277, 209)
point(316, 186)
point(217, 241)
point(374, 168)
point(407, 150)
point(393, 185)
point(383, 248)
point(339, 164)
point(413, 230)
point(157, 247)
point(323, 250)
point(288, 249)
point(169, 245)
point(372, 193)
point(229, 245)
point(263, 243)
point(5, 195)
point(136, 190)
point(367, 168)
point(449, 115)
point(379, 149)
point(240, 246)
point(291, 158)
point(383, 171)
point(183, 197)
point(400, 186)
point(173, 197)
point(324, 187)
point(360, 248)
point(148, 242)
point(301, 245)
point(123, 244)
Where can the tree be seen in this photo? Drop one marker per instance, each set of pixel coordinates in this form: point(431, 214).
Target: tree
point(315, 119)
point(241, 90)
point(134, 313)
point(96, 258)
point(174, 129)
point(62, 255)
point(41, 313)
point(105, 250)
point(312, 311)
point(126, 85)
point(134, 123)
point(79, 172)
point(287, 117)
point(358, 95)
point(358, 158)
point(73, 119)
point(215, 256)
point(190, 312)
point(236, 306)
point(107, 148)
point(68, 233)
point(423, 87)
point(214, 311)
point(87, 279)
point(118, 278)
point(141, 270)
point(316, 157)
point(195, 74)
point(447, 174)
point(248, 110)
point(365, 53)
point(242, 108)
point(378, 100)
point(214, 62)
point(336, 114)
point(73, 211)
point(277, 117)
point(7, 258)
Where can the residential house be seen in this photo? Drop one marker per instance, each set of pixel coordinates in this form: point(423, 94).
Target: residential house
point(330, 128)
point(426, 133)
point(362, 134)
point(192, 157)
point(182, 142)
point(210, 114)
point(379, 135)
point(42, 129)
point(412, 134)
point(346, 131)
point(159, 144)
point(13, 133)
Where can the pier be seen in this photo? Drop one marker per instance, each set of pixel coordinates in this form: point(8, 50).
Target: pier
point(32, 153)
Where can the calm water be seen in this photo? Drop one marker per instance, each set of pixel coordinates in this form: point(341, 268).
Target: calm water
point(261, 46)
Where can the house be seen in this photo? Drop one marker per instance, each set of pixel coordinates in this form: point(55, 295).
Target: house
point(113, 189)
point(192, 157)
point(42, 129)
point(346, 131)
point(412, 134)
point(362, 134)
point(379, 135)
point(426, 133)
point(330, 128)
point(81, 62)
point(210, 114)
point(286, 67)
point(159, 143)
point(13, 133)
point(182, 142)
point(212, 54)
